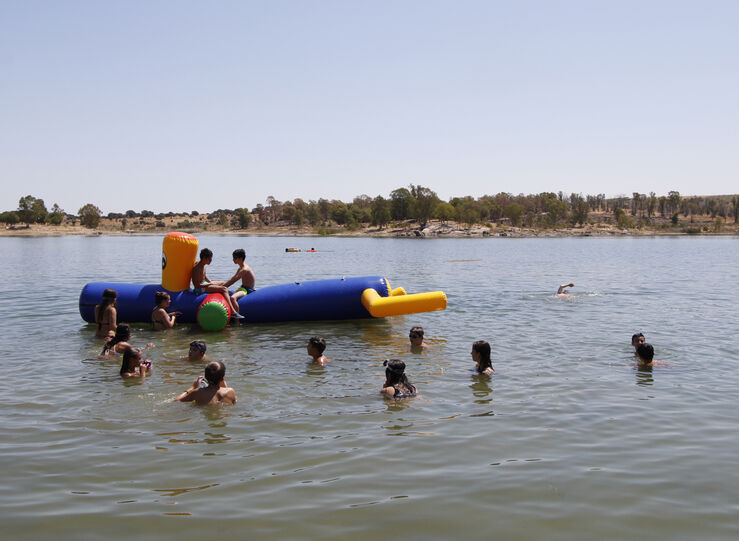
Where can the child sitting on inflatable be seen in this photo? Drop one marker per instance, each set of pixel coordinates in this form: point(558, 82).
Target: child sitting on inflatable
point(202, 284)
point(244, 273)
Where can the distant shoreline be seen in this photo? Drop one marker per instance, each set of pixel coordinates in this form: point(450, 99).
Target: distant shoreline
point(434, 229)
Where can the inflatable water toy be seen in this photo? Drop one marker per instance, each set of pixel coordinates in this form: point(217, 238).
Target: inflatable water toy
point(338, 298)
point(292, 249)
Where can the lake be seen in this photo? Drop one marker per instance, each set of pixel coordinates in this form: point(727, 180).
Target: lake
point(567, 440)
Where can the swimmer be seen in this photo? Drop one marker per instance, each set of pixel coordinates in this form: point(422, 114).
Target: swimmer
point(481, 355)
point(396, 382)
point(243, 273)
point(202, 284)
point(637, 339)
point(316, 347)
point(119, 343)
point(416, 338)
point(645, 355)
point(160, 318)
point(211, 389)
point(106, 314)
point(561, 292)
point(132, 365)
point(197, 351)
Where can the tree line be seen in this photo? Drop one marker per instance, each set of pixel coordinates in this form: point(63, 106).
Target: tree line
point(418, 204)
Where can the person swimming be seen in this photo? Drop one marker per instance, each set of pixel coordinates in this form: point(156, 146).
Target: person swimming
point(645, 355)
point(481, 355)
point(133, 365)
point(396, 382)
point(562, 292)
point(316, 347)
point(211, 389)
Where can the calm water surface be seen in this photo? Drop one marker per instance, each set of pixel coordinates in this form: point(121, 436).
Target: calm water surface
point(568, 440)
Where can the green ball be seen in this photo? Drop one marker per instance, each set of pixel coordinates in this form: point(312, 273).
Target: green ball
point(213, 316)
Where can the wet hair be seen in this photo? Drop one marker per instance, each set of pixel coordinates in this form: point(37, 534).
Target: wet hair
point(215, 372)
point(645, 352)
point(416, 330)
point(129, 356)
point(200, 345)
point(483, 348)
point(160, 296)
point(109, 297)
point(239, 253)
point(122, 334)
point(318, 343)
point(395, 375)
point(635, 338)
point(205, 253)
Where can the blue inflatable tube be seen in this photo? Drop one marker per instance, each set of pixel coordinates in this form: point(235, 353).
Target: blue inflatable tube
point(339, 298)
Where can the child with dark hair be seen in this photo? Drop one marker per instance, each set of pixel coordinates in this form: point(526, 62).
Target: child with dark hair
point(243, 273)
point(316, 347)
point(211, 389)
point(637, 339)
point(119, 343)
point(645, 355)
point(396, 383)
point(106, 314)
point(481, 355)
point(202, 284)
point(160, 318)
point(133, 365)
point(415, 335)
point(197, 351)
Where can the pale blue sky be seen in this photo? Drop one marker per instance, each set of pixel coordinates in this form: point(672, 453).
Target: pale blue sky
point(193, 105)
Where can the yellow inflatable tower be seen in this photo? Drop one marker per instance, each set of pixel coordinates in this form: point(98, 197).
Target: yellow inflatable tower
point(179, 251)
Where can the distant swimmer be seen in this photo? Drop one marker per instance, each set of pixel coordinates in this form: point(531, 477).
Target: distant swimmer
point(211, 389)
point(416, 338)
point(202, 284)
point(481, 355)
point(637, 339)
point(561, 292)
point(316, 347)
point(396, 382)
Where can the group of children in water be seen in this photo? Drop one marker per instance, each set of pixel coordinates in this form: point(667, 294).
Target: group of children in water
point(212, 388)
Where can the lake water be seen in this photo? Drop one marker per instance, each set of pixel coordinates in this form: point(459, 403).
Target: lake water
point(568, 440)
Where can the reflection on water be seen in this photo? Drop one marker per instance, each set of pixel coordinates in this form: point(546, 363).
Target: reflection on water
point(305, 453)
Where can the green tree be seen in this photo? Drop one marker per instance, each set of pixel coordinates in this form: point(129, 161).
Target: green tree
point(314, 215)
point(340, 213)
point(401, 204)
point(425, 203)
point(556, 210)
point(622, 220)
point(32, 210)
point(580, 209)
point(444, 211)
point(9, 217)
point(673, 199)
point(514, 212)
point(56, 216)
point(735, 201)
point(89, 216)
point(380, 211)
point(243, 217)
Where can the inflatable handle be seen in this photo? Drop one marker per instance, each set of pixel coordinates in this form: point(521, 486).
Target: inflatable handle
point(400, 304)
point(214, 313)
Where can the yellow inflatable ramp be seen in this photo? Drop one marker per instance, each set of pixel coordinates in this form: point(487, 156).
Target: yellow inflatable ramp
point(400, 304)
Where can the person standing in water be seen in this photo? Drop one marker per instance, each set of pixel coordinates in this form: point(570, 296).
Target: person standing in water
point(396, 382)
point(481, 355)
point(316, 347)
point(106, 314)
point(415, 335)
point(211, 389)
point(160, 318)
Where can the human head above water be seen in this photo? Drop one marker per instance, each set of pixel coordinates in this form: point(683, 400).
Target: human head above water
point(415, 332)
point(205, 253)
point(645, 352)
point(122, 333)
point(215, 372)
point(239, 253)
point(160, 297)
point(109, 294)
point(637, 339)
point(317, 343)
point(131, 359)
point(394, 371)
point(482, 348)
point(199, 346)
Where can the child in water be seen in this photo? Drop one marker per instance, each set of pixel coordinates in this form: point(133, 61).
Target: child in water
point(197, 351)
point(133, 366)
point(415, 335)
point(119, 343)
point(481, 355)
point(316, 347)
point(396, 383)
point(106, 314)
point(637, 339)
point(160, 318)
point(645, 355)
point(211, 389)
